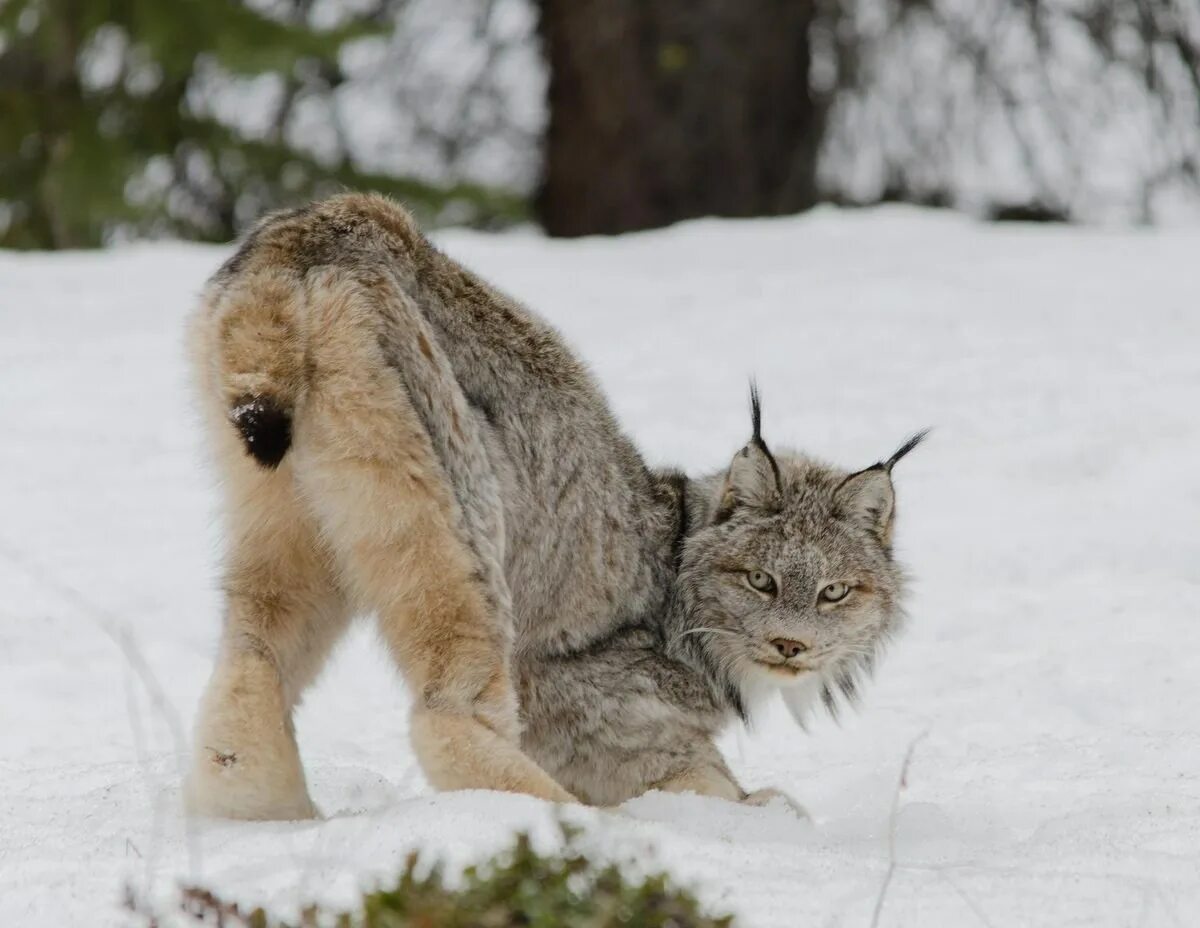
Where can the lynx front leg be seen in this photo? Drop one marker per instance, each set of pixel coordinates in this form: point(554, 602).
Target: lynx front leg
point(768, 795)
point(704, 780)
point(714, 779)
point(283, 615)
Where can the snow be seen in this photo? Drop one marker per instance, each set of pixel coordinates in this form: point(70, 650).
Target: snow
point(1051, 665)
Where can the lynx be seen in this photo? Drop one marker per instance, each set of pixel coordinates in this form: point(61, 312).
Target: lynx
point(397, 438)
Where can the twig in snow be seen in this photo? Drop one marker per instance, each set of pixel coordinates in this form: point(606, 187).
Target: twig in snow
point(962, 894)
point(901, 785)
point(118, 633)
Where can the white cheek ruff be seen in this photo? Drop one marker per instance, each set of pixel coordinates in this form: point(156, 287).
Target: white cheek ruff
point(757, 686)
point(803, 698)
point(834, 685)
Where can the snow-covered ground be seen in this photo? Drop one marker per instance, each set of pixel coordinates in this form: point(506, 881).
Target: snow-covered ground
point(1052, 525)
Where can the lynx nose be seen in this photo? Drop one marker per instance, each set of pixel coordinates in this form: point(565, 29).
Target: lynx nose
point(789, 647)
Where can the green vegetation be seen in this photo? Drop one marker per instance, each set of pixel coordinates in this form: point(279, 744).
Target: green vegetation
point(107, 126)
point(520, 888)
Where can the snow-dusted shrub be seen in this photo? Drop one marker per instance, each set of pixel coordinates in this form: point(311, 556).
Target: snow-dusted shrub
point(518, 887)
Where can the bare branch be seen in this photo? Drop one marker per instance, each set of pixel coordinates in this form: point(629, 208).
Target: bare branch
point(901, 785)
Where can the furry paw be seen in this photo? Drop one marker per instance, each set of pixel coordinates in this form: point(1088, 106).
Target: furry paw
point(221, 785)
point(771, 796)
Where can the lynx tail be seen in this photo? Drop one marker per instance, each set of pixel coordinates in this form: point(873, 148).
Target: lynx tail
point(259, 360)
point(265, 426)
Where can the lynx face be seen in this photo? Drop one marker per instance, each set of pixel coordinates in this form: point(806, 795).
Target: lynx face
point(792, 582)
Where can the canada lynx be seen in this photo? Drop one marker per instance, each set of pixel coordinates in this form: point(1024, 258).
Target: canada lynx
point(396, 437)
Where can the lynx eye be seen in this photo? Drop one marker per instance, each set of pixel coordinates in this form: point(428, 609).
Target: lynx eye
point(760, 580)
point(835, 592)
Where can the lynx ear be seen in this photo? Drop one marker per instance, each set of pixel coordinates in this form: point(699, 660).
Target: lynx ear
point(868, 496)
point(753, 478)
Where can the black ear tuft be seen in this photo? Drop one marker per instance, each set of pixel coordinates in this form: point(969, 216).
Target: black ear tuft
point(905, 448)
point(753, 478)
point(756, 438)
point(756, 412)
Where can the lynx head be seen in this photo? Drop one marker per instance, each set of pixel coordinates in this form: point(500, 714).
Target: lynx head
point(787, 575)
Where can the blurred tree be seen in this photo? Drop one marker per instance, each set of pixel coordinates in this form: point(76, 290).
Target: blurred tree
point(129, 117)
point(1014, 109)
point(1084, 110)
point(123, 118)
point(458, 90)
point(662, 110)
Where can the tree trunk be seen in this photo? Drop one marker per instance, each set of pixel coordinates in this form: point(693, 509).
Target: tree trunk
point(662, 110)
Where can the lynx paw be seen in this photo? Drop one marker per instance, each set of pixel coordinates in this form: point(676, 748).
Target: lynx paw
point(222, 785)
point(772, 796)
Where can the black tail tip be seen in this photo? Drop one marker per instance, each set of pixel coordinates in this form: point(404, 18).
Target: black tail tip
point(265, 427)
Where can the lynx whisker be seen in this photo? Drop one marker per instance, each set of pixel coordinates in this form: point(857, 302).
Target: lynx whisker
point(711, 631)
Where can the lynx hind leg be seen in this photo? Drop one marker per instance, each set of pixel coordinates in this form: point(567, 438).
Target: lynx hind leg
point(368, 468)
point(283, 615)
